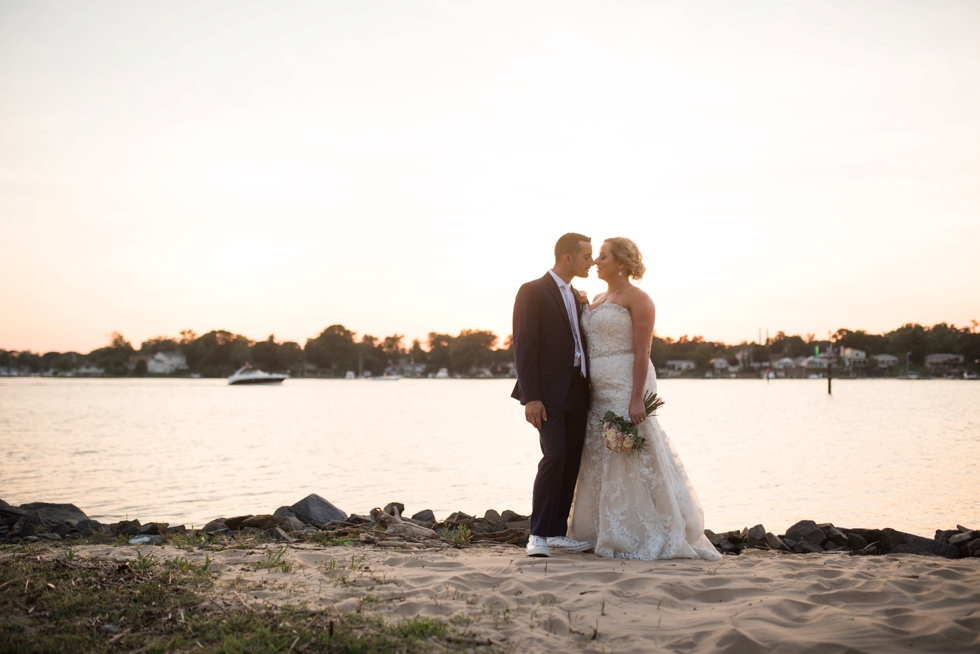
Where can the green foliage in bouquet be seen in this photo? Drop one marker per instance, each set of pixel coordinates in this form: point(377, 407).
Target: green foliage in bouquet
point(624, 436)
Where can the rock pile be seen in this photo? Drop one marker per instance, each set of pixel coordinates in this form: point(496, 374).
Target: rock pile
point(808, 537)
point(312, 515)
point(315, 517)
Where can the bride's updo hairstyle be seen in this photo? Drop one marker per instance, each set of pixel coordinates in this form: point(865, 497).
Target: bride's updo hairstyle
point(625, 252)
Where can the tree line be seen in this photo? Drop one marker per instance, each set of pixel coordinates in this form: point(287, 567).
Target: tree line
point(333, 352)
point(336, 350)
point(909, 338)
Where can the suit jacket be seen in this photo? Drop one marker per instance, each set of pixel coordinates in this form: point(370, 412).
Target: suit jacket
point(544, 347)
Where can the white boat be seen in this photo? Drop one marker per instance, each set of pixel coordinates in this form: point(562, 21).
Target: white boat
point(249, 375)
point(386, 378)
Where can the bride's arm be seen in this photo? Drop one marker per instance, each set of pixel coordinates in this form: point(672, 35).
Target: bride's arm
point(643, 313)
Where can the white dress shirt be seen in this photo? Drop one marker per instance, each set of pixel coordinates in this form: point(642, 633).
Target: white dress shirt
point(570, 306)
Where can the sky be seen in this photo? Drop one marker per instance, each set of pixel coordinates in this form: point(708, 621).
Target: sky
point(402, 167)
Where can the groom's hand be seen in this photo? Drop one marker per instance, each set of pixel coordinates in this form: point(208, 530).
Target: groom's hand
point(535, 414)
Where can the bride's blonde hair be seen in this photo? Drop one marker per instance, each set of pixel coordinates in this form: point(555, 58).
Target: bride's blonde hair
point(625, 252)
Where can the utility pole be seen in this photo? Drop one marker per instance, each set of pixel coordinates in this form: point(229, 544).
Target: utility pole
point(830, 364)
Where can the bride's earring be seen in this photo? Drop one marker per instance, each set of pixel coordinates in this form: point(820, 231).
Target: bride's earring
point(620, 273)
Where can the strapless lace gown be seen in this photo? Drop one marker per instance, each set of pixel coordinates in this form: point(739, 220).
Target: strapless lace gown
point(631, 506)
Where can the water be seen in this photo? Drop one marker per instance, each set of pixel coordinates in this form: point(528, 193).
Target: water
point(877, 453)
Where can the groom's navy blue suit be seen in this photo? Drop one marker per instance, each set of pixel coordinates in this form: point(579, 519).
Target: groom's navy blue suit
point(544, 350)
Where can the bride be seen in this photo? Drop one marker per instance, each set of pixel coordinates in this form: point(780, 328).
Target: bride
point(632, 506)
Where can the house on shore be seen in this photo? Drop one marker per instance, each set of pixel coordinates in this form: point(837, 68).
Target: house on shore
point(945, 364)
point(854, 358)
point(677, 367)
point(166, 363)
point(89, 369)
point(885, 360)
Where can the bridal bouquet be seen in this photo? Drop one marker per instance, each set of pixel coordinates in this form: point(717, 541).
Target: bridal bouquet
point(621, 435)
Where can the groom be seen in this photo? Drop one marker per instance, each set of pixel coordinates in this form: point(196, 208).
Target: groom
point(552, 384)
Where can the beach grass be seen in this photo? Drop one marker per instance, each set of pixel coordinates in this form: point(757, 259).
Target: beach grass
point(51, 600)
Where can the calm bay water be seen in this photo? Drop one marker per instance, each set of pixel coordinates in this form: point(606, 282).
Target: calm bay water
point(877, 453)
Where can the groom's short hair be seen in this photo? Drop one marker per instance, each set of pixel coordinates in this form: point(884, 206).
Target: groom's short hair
point(569, 244)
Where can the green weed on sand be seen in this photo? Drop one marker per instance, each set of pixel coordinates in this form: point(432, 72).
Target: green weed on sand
point(153, 606)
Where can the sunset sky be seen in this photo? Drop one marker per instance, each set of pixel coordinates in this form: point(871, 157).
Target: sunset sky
point(268, 167)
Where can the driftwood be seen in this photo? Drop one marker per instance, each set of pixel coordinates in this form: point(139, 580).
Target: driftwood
point(507, 536)
point(395, 526)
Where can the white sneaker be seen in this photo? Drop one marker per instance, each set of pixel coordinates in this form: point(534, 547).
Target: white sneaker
point(537, 546)
point(569, 545)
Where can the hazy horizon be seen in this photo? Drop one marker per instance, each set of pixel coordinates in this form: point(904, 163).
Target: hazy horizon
point(402, 167)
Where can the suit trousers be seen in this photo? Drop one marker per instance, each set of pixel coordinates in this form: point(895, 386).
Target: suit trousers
point(562, 436)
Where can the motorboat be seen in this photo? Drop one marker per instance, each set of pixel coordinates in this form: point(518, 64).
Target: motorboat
point(249, 375)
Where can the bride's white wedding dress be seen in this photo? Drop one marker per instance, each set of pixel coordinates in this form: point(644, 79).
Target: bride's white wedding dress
point(633, 506)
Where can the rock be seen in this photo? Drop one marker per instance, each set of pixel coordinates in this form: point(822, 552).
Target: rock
point(153, 529)
point(712, 537)
point(61, 529)
point(235, 523)
point(214, 527)
point(481, 526)
point(870, 550)
point(110, 629)
point(89, 526)
point(284, 512)
point(856, 541)
point(10, 514)
point(31, 539)
point(260, 522)
point(756, 537)
point(280, 535)
point(49, 536)
point(492, 517)
point(834, 535)
point(395, 526)
point(356, 520)
point(119, 527)
point(292, 523)
point(964, 537)
point(806, 530)
point(727, 547)
point(252, 531)
point(962, 528)
point(55, 513)
point(510, 516)
point(145, 540)
point(776, 543)
point(734, 537)
point(314, 510)
point(973, 548)
point(903, 543)
point(425, 516)
point(806, 547)
point(891, 538)
point(870, 535)
point(177, 529)
point(944, 534)
point(458, 518)
point(519, 524)
point(391, 506)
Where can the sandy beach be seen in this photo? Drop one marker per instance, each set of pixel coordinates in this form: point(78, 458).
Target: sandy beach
point(496, 598)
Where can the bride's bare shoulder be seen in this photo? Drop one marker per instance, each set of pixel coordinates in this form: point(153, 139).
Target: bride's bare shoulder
point(640, 302)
